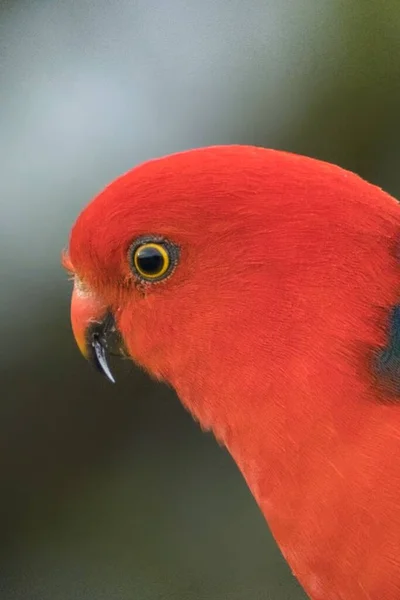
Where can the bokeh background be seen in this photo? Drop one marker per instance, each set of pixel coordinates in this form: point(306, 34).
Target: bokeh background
point(112, 492)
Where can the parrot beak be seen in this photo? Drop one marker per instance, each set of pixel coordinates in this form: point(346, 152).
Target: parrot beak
point(91, 323)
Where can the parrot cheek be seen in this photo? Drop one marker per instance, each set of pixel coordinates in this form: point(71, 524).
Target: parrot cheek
point(133, 336)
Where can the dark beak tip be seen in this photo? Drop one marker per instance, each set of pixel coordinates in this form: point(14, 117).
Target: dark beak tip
point(97, 349)
point(99, 358)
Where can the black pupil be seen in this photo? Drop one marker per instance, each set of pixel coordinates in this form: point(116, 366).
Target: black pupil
point(150, 260)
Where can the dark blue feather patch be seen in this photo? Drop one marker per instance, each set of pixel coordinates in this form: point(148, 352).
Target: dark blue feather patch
point(388, 359)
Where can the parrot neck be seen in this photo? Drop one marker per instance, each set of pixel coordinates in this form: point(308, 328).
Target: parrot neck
point(302, 431)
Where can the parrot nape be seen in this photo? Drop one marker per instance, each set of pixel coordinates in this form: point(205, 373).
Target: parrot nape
point(264, 287)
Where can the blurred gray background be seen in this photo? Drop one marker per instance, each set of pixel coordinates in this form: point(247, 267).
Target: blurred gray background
point(112, 492)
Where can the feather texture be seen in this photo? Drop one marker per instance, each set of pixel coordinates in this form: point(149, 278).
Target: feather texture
point(279, 330)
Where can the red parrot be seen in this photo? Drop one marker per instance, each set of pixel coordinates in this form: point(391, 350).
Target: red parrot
point(264, 287)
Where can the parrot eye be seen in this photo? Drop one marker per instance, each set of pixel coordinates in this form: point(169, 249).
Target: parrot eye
point(153, 260)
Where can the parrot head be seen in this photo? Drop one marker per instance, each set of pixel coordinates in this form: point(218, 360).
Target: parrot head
point(169, 255)
point(162, 255)
point(215, 263)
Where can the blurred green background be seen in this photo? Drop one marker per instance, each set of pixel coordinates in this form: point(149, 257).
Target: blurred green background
point(112, 492)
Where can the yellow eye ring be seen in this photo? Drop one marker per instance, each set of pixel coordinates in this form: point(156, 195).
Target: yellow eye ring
point(152, 258)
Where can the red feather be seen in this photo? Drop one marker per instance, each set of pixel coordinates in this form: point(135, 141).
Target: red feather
point(277, 331)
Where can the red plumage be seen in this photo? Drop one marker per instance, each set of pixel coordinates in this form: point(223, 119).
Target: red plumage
point(274, 329)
